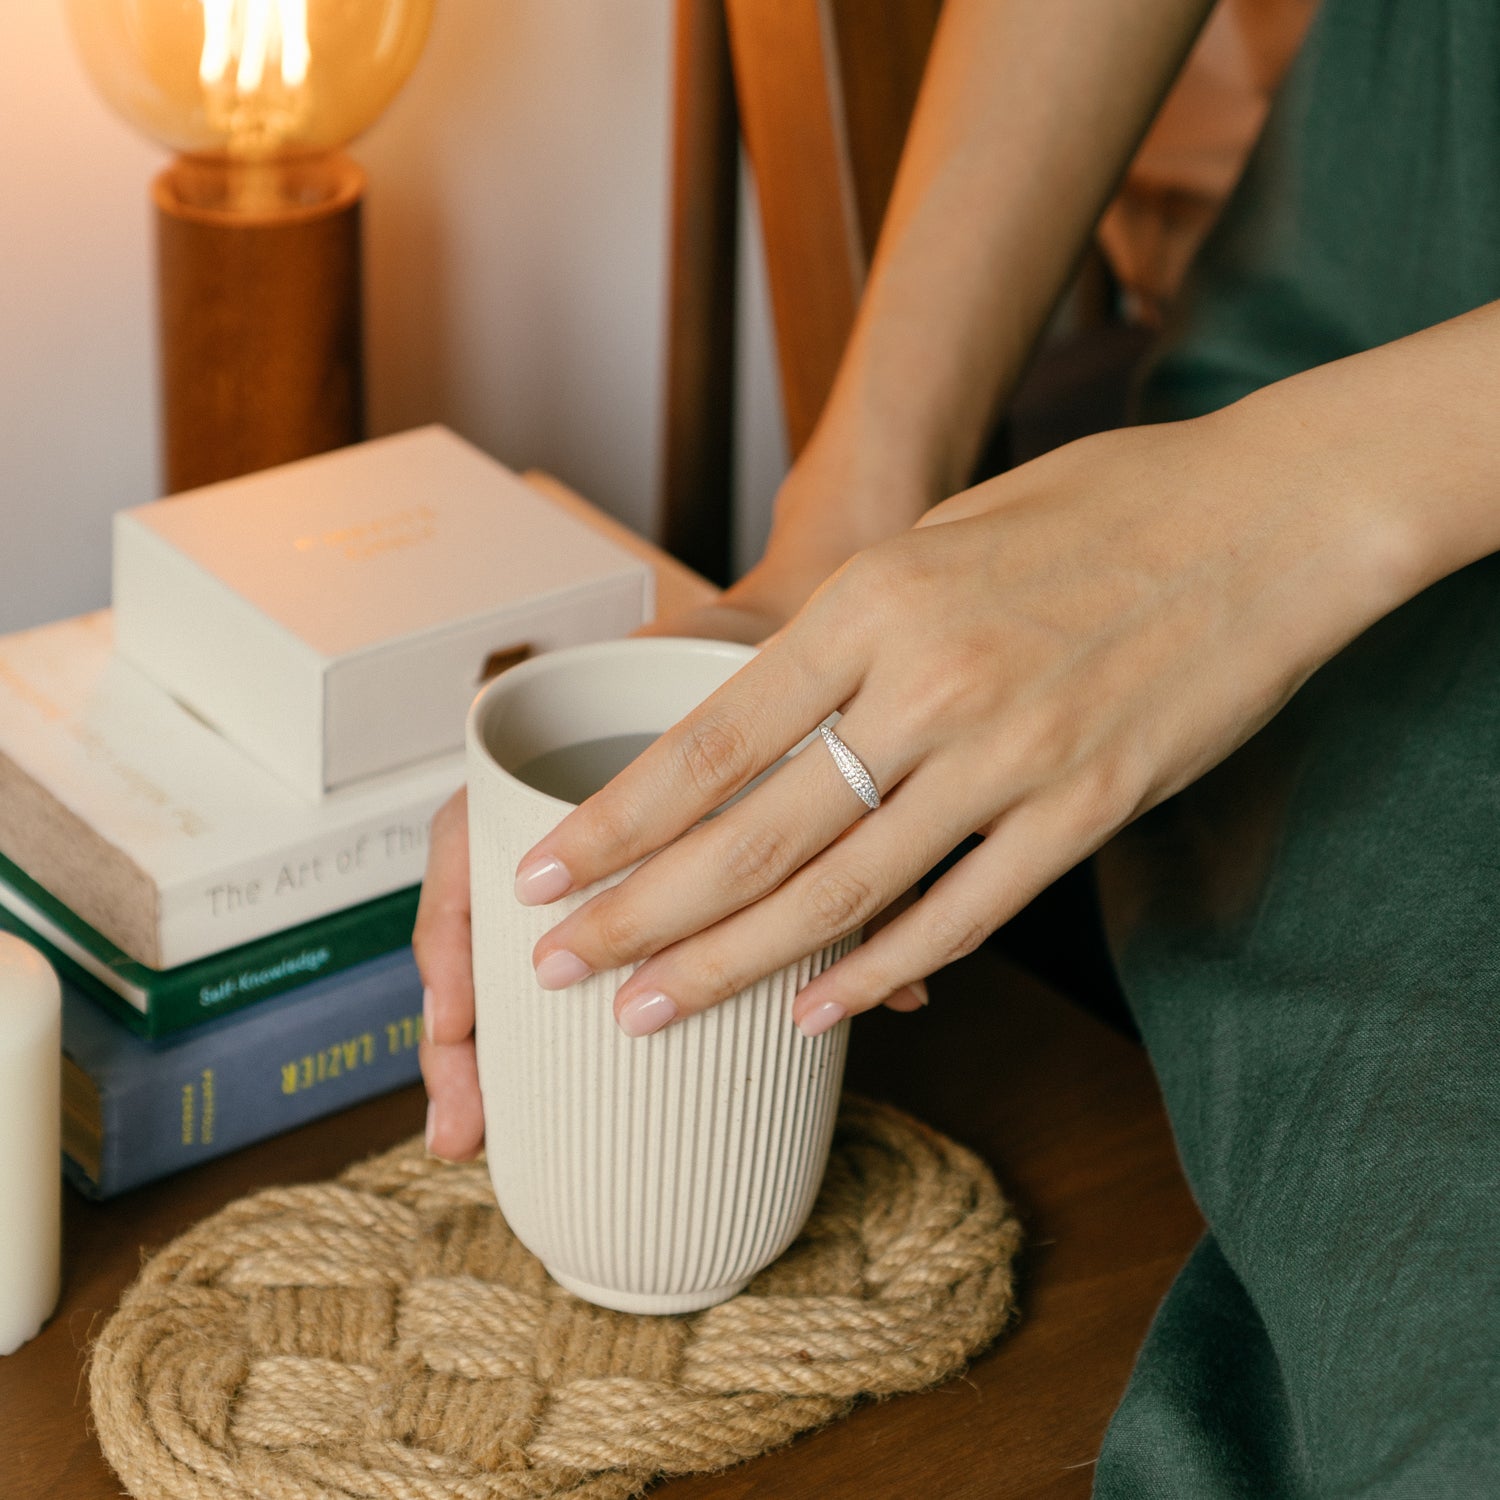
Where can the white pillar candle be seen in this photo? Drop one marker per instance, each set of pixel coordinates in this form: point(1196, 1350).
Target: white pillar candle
point(30, 1160)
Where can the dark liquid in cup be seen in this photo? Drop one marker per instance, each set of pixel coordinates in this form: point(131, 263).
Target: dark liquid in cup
point(576, 772)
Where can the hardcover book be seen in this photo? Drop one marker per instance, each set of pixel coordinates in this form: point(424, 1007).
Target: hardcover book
point(333, 617)
point(156, 1002)
point(160, 834)
point(135, 1110)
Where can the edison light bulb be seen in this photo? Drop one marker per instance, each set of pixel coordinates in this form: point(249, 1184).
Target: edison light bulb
point(250, 80)
point(257, 217)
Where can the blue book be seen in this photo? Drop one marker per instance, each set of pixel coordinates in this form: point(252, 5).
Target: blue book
point(135, 1110)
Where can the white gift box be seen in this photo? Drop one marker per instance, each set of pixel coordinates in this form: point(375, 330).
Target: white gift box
point(334, 617)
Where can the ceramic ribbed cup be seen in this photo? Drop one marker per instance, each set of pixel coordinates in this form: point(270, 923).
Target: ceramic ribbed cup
point(654, 1174)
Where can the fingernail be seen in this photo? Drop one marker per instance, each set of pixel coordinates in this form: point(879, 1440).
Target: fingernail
point(539, 881)
point(560, 969)
point(909, 997)
point(821, 1018)
point(427, 1011)
point(431, 1128)
point(642, 1014)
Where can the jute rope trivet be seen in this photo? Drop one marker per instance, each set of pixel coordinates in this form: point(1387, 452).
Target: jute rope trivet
point(387, 1336)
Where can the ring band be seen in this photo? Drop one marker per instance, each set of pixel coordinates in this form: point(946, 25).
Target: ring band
point(853, 769)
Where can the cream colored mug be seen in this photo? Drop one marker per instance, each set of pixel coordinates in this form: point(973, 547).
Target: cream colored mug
point(654, 1174)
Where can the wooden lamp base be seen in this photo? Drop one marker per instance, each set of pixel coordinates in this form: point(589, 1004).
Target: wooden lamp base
point(259, 291)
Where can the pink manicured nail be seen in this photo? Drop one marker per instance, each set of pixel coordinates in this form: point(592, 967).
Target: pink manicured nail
point(642, 1014)
point(909, 997)
point(560, 969)
point(821, 1018)
point(539, 881)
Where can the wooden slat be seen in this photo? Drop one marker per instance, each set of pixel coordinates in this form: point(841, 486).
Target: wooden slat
point(826, 90)
point(882, 48)
point(698, 451)
point(791, 111)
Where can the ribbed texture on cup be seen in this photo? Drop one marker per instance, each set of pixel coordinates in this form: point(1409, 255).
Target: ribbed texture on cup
point(654, 1174)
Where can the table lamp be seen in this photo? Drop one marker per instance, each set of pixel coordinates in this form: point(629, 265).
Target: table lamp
point(258, 262)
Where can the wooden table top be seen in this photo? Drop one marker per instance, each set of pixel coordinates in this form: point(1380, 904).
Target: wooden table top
point(1064, 1110)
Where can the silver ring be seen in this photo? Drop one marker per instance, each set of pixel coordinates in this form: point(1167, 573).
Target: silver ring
point(852, 767)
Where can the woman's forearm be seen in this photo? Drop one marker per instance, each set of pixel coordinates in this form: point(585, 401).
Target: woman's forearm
point(1027, 118)
point(1396, 449)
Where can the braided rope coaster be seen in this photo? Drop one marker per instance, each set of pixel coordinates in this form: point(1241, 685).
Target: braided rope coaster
point(386, 1336)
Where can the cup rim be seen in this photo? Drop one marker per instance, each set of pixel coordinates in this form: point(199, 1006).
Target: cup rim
point(517, 676)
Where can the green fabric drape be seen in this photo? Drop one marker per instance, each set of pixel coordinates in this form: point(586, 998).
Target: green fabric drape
point(1310, 936)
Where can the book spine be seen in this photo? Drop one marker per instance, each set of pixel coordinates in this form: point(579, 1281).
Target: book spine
point(125, 1007)
point(176, 1008)
point(155, 1002)
point(286, 962)
point(165, 1108)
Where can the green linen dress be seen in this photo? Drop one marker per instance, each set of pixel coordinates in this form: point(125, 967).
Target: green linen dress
point(1309, 937)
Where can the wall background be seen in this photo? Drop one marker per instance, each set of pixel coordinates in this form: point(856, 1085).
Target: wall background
point(515, 270)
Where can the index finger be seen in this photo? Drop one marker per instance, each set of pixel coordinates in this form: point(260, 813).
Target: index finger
point(715, 751)
point(442, 936)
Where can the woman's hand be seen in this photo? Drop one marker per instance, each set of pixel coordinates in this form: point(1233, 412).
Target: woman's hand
point(842, 495)
point(1047, 656)
point(442, 939)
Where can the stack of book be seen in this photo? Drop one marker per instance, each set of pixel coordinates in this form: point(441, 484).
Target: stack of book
point(235, 952)
point(235, 960)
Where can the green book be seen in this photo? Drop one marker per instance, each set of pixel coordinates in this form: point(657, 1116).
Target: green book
point(156, 1002)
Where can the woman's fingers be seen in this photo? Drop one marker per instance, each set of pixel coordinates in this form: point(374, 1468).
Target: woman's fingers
point(893, 910)
point(455, 1114)
point(1028, 848)
point(716, 869)
point(909, 997)
point(441, 943)
point(441, 938)
point(831, 895)
point(720, 747)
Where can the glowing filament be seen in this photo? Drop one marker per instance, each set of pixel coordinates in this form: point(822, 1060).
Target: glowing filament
point(253, 69)
point(244, 36)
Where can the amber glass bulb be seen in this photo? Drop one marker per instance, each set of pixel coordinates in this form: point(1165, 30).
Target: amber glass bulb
point(250, 80)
